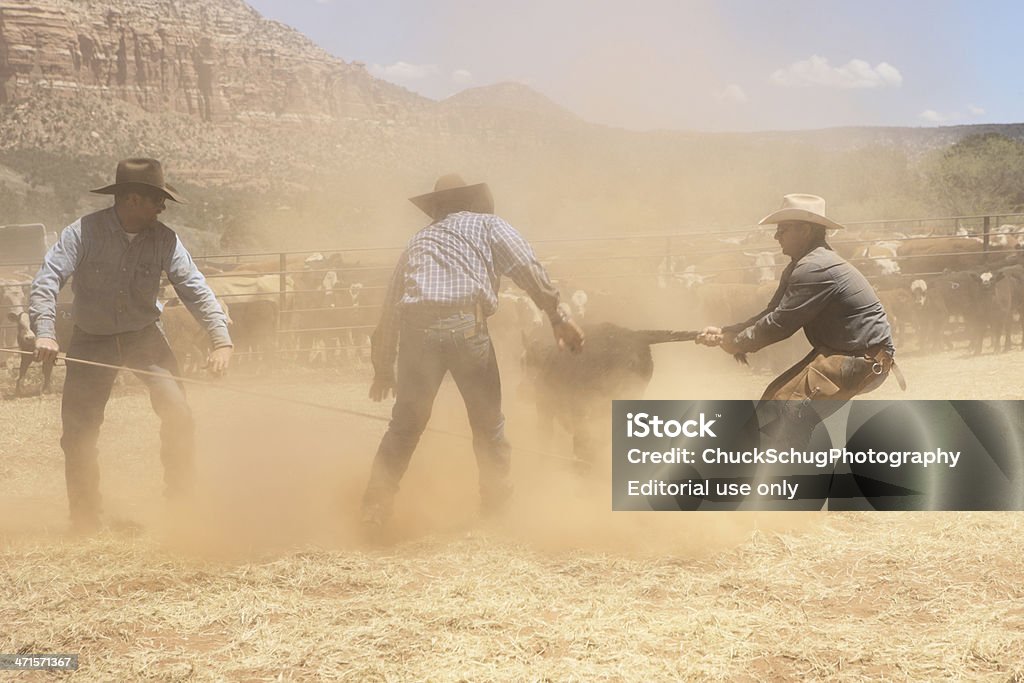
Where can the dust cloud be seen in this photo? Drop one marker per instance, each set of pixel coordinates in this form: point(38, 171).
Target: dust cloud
point(275, 474)
point(275, 477)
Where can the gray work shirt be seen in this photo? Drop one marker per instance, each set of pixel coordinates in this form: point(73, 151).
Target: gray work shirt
point(826, 296)
point(117, 279)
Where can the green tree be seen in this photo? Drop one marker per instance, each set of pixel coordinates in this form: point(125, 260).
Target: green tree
point(980, 174)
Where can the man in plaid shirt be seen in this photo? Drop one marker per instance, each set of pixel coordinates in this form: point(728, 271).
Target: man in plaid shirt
point(434, 322)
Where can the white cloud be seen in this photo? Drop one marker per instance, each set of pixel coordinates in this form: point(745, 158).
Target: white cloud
point(323, 2)
point(461, 76)
point(404, 71)
point(732, 93)
point(933, 116)
point(856, 73)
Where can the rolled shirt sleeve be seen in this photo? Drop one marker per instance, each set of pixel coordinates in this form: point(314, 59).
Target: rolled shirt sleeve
point(514, 257)
point(197, 296)
point(58, 265)
point(803, 299)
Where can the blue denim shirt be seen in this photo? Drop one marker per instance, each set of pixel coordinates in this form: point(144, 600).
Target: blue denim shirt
point(117, 280)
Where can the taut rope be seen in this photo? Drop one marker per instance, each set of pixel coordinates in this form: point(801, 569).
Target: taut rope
point(271, 397)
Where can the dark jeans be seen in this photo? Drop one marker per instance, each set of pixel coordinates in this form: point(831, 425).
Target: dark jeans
point(430, 347)
point(86, 392)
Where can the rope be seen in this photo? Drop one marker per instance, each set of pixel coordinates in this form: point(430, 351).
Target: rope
point(272, 397)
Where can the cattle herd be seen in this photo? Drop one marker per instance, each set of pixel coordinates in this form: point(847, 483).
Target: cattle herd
point(939, 291)
point(302, 309)
point(312, 309)
point(298, 308)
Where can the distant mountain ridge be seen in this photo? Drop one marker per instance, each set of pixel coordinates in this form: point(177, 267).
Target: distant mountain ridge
point(231, 100)
point(221, 61)
point(910, 139)
point(514, 97)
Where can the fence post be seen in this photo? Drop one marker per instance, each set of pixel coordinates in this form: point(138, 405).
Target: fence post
point(985, 229)
point(668, 261)
point(282, 280)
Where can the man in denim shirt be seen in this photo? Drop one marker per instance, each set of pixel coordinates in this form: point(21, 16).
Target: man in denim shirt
point(117, 256)
point(434, 321)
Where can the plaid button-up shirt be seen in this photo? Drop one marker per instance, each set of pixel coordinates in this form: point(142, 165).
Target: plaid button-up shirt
point(459, 261)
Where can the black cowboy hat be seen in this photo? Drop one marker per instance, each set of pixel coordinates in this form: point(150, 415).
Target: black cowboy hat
point(146, 172)
point(452, 192)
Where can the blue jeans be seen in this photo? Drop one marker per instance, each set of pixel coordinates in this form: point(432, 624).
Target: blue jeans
point(86, 392)
point(430, 346)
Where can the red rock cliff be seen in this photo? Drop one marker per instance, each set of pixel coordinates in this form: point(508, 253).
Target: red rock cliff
point(214, 59)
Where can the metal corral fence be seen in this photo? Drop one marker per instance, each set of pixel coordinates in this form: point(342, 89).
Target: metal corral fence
point(331, 298)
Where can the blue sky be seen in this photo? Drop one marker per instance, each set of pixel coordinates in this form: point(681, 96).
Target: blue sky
point(696, 64)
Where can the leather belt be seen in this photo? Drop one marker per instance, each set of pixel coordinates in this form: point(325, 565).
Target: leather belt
point(424, 315)
point(439, 311)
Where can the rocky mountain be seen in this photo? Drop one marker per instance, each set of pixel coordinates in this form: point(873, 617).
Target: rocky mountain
point(253, 118)
point(213, 59)
point(514, 98)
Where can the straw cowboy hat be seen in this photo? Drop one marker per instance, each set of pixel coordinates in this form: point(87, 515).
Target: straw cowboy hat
point(136, 172)
point(452, 193)
point(801, 207)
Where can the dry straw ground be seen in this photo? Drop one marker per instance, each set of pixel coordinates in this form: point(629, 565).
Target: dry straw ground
point(268, 579)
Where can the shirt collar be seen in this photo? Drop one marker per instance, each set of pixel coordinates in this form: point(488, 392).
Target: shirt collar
point(113, 222)
point(815, 248)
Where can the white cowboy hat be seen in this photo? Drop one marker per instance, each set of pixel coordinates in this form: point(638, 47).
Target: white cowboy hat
point(801, 207)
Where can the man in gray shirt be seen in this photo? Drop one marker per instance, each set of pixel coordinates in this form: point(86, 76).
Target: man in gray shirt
point(827, 297)
point(117, 256)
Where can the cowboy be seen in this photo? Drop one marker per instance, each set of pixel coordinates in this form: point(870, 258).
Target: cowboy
point(117, 256)
point(831, 300)
point(434, 321)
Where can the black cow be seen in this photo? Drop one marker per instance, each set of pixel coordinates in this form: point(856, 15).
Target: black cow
point(254, 332)
point(1002, 295)
point(953, 294)
point(899, 309)
point(1015, 274)
point(577, 389)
